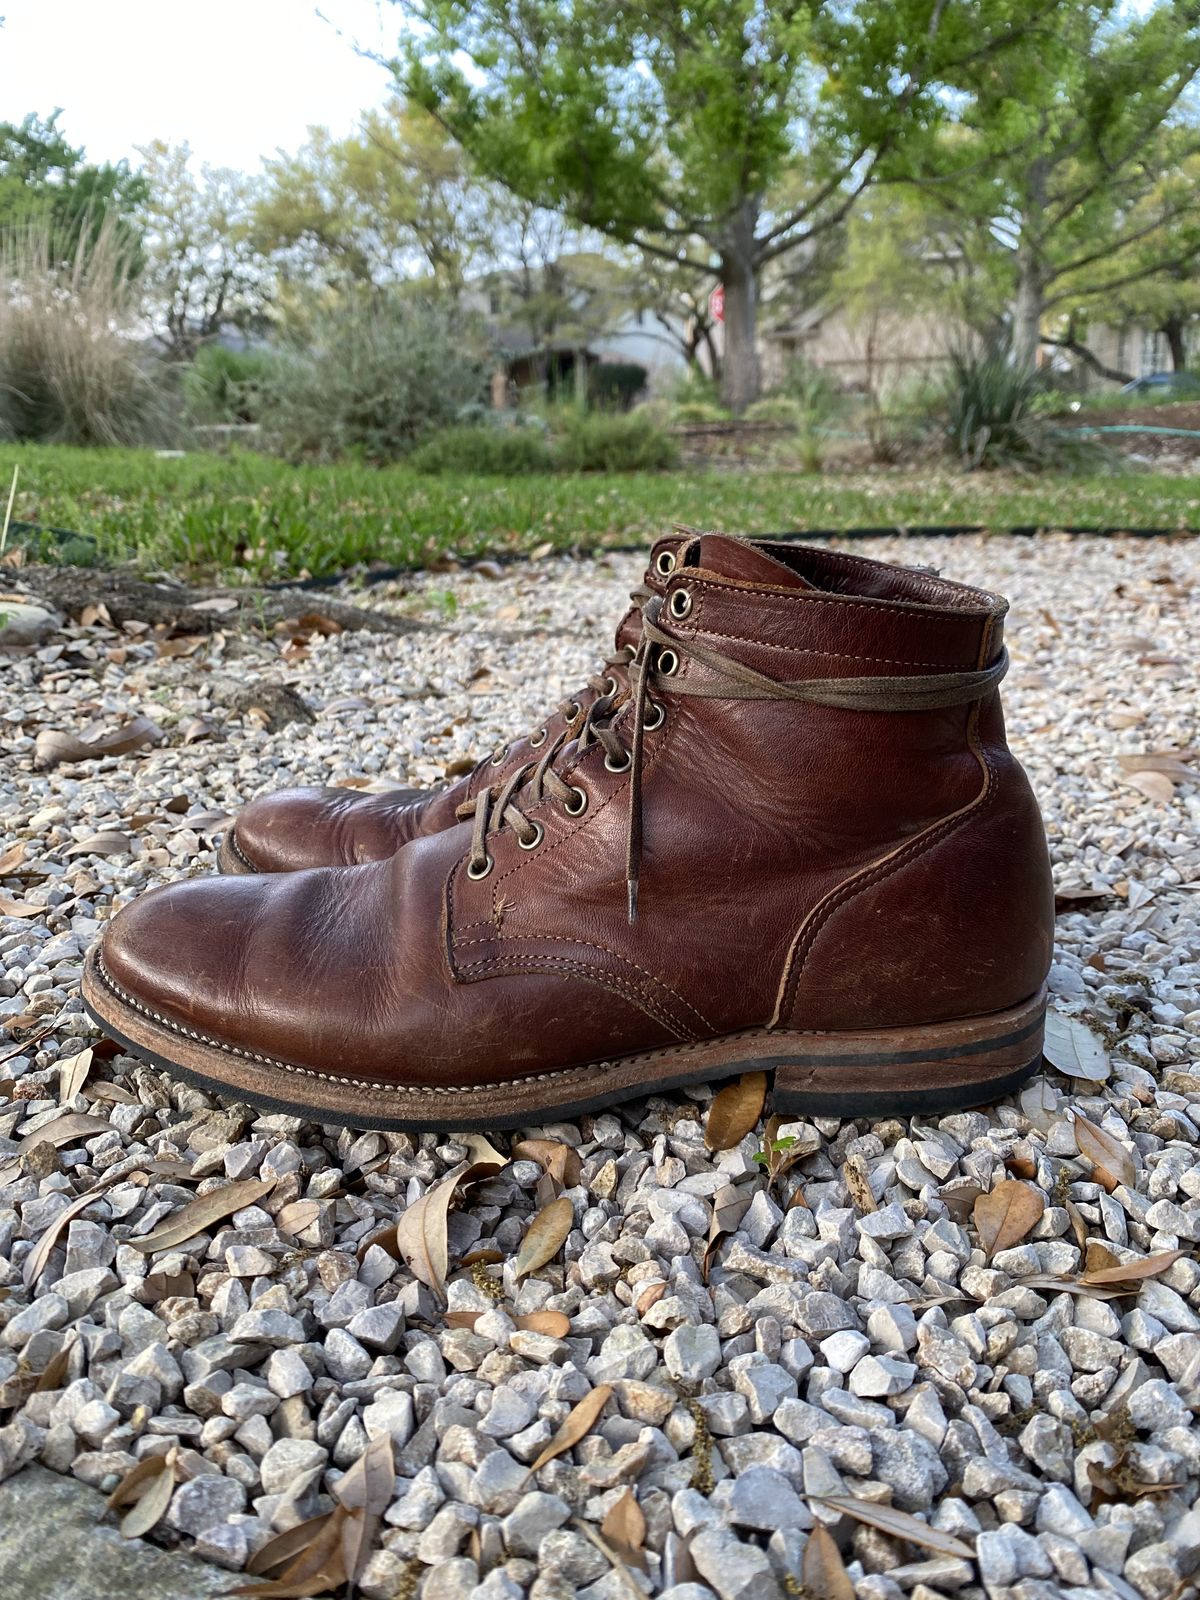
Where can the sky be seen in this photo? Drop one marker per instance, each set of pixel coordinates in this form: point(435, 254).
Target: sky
point(235, 79)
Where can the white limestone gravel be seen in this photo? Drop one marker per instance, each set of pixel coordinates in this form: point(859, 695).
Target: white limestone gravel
point(882, 1356)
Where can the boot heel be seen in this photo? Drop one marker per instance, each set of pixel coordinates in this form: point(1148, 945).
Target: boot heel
point(942, 1066)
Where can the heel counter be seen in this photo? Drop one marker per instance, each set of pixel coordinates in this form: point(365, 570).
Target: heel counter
point(957, 922)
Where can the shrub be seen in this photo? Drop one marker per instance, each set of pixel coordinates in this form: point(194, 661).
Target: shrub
point(224, 385)
point(615, 385)
point(695, 413)
point(614, 444)
point(71, 370)
point(778, 409)
point(992, 417)
point(504, 452)
point(373, 378)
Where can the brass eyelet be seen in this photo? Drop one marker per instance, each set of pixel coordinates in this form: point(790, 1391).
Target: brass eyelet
point(624, 766)
point(539, 833)
point(660, 716)
point(483, 871)
point(574, 710)
point(499, 757)
point(667, 663)
point(613, 685)
point(679, 604)
point(580, 804)
point(664, 563)
point(538, 739)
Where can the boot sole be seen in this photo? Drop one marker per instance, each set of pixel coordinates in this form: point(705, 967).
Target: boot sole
point(230, 860)
point(944, 1066)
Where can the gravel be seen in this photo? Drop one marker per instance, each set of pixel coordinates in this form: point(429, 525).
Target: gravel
point(877, 1354)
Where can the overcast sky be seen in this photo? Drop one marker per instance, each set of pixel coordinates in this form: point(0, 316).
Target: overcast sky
point(236, 79)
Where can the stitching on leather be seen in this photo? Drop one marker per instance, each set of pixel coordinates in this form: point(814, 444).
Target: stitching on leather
point(835, 655)
point(585, 944)
point(559, 1075)
point(236, 849)
point(931, 585)
point(582, 969)
point(767, 592)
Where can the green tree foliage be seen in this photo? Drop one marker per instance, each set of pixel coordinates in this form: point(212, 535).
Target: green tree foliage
point(661, 124)
point(47, 183)
point(1059, 148)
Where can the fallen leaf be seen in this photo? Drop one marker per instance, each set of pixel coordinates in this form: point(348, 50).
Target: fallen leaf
point(420, 1237)
point(858, 1183)
point(1078, 1225)
point(200, 1214)
point(624, 1527)
point(72, 1075)
point(366, 1489)
point(729, 1207)
point(1006, 1214)
point(150, 1485)
point(66, 1129)
point(19, 908)
point(1070, 899)
point(13, 857)
point(823, 1572)
point(51, 748)
point(1039, 1102)
point(219, 604)
point(1132, 1272)
point(554, 1324)
point(1111, 1162)
point(1154, 785)
point(577, 1424)
point(559, 1160)
point(284, 1547)
point(545, 1237)
point(1073, 1047)
point(612, 1554)
point(35, 1261)
point(735, 1111)
point(297, 1215)
point(317, 1567)
point(899, 1524)
point(462, 1319)
point(52, 1374)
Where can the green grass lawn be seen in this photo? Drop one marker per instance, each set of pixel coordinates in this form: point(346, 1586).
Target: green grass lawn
point(204, 513)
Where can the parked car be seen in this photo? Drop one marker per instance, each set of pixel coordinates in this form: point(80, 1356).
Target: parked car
point(1165, 386)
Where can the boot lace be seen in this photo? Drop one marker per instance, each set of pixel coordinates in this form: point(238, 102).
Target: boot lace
point(653, 672)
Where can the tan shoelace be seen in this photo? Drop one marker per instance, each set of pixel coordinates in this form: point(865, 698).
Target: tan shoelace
point(723, 678)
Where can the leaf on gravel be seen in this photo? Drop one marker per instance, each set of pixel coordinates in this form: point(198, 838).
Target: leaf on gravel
point(1132, 1272)
point(730, 1205)
point(298, 1215)
point(1112, 1163)
point(366, 1492)
point(823, 1572)
point(858, 1184)
point(577, 1424)
point(611, 1554)
point(1154, 785)
point(899, 1524)
point(554, 1324)
point(482, 1153)
point(316, 1568)
point(72, 1075)
point(421, 1234)
point(735, 1111)
point(545, 1237)
point(66, 1129)
point(284, 1547)
point(558, 1160)
point(19, 908)
point(101, 844)
point(13, 857)
point(149, 1485)
point(51, 748)
point(1074, 1048)
point(1006, 1214)
point(462, 1319)
point(1039, 1101)
point(37, 1258)
point(624, 1527)
point(1078, 1223)
point(200, 1214)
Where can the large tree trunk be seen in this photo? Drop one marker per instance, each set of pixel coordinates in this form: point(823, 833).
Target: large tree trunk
point(1173, 330)
point(1027, 311)
point(741, 380)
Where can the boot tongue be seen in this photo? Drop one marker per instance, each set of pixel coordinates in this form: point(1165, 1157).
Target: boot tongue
point(736, 558)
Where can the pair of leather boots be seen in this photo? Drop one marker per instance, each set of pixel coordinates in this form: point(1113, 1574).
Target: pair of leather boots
point(781, 830)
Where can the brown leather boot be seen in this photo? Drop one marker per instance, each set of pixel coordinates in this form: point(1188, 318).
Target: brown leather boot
point(800, 844)
point(297, 828)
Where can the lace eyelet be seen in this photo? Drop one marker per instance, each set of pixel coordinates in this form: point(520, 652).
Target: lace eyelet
point(679, 604)
point(667, 663)
point(499, 757)
point(573, 710)
point(611, 766)
point(483, 871)
point(664, 563)
point(538, 739)
point(581, 803)
point(660, 716)
point(539, 833)
point(612, 685)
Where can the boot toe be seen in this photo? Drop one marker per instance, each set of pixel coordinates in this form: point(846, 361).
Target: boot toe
point(301, 828)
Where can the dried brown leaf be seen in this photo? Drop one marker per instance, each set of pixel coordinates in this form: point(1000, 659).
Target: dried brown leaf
point(735, 1111)
point(66, 1129)
point(545, 1237)
point(1131, 1272)
point(35, 1262)
point(421, 1235)
point(898, 1524)
point(559, 1160)
point(1078, 1225)
point(366, 1492)
point(149, 1485)
point(729, 1207)
point(101, 844)
point(1154, 785)
point(19, 908)
point(858, 1184)
point(200, 1214)
point(317, 1566)
point(1112, 1163)
point(51, 748)
point(13, 857)
point(1006, 1214)
point(284, 1547)
point(823, 1572)
point(554, 1324)
point(624, 1527)
point(72, 1075)
point(577, 1424)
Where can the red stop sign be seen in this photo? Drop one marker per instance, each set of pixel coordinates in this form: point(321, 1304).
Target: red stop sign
point(716, 303)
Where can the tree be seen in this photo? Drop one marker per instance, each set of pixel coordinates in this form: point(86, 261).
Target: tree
point(1059, 145)
point(661, 124)
point(45, 181)
point(202, 270)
